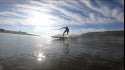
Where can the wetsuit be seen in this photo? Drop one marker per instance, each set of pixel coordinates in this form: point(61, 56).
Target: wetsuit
point(66, 30)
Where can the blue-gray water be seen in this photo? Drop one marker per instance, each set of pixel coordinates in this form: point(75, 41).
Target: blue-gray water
point(21, 52)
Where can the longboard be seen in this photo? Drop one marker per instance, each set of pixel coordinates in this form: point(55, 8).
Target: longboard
point(60, 37)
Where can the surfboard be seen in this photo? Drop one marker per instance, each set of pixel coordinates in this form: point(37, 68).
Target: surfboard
point(60, 37)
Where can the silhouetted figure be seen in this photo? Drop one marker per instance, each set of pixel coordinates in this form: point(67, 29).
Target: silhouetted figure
point(66, 30)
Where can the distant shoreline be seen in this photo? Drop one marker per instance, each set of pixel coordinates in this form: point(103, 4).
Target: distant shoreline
point(15, 32)
point(84, 34)
point(19, 33)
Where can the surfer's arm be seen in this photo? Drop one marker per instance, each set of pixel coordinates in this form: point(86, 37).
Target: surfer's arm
point(62, 28)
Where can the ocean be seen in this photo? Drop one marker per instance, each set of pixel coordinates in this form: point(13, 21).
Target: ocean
point(24, 52)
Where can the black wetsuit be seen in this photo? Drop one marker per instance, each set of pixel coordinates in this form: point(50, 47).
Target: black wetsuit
point(67, 30)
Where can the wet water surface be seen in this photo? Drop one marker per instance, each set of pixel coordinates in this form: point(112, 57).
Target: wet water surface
point(20, 52)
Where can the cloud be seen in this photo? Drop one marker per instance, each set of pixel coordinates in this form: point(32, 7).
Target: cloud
point(11, 14)
point(106, 10)
point(120, 1)
point(57, 13)
point(61, 6)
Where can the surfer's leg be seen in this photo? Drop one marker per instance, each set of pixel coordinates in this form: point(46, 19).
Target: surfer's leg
point(64, 32)
point(67, 32)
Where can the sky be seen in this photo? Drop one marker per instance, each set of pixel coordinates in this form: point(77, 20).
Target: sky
point(46, 17)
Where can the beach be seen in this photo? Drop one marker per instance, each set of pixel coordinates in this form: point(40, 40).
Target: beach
point(89, 51)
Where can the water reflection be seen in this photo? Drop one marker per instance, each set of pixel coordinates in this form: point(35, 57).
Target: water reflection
point(60, 54)
point(64, 43)
point(1, 67)
point(66, 48)
point(40, 56)
point(40, 45)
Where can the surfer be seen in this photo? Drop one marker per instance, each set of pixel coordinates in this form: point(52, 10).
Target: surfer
point(66, 30)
